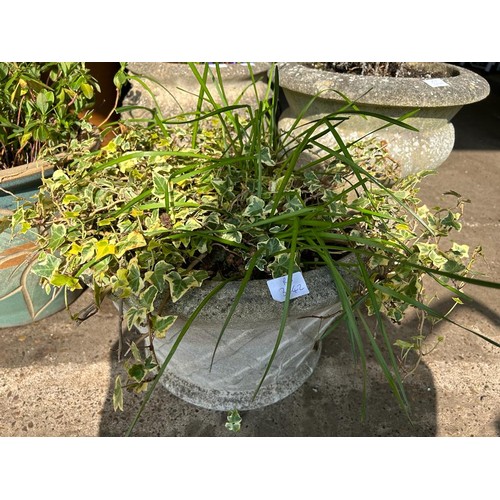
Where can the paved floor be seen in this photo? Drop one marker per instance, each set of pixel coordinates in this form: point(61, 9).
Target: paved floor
point(56, 377)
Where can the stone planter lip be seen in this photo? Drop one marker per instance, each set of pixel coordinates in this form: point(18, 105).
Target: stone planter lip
point(462, 86)
point(256, 302)
point(13, 177)
point(256, 297)
point(181, 69)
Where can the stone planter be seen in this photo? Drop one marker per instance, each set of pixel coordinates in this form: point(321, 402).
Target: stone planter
point(22, 299)
point(176, 88)
point(247, 344)
point(438, 101)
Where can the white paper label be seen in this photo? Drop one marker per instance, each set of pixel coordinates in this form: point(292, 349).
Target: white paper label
point(436, 82)
point(277, 287)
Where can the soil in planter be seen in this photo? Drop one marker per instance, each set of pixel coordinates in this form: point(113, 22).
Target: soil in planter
point(393, 69)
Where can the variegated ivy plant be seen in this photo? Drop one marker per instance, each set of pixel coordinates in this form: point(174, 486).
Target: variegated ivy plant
point(167, 205)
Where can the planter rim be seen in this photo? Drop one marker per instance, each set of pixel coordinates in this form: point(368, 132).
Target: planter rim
point(181, 69)
point(256, 297)
point(15, 176)
point(461, 87)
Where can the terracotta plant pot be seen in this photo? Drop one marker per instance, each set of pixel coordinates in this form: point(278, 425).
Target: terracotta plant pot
point(437, 99)
point(22, 299)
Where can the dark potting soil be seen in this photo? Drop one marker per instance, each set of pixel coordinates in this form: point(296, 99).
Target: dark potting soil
point(394, 69)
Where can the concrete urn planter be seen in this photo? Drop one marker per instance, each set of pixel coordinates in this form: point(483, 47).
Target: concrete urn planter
point(247, 344)
point(22, 299)
point(176, 89)
point(438, 99)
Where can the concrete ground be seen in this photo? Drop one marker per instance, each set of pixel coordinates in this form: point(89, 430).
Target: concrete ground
point(56, 377)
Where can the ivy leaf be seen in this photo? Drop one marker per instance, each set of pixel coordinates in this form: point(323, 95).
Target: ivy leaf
point(137, 372)
point(231, 233)
point(265, 157)
point(452, 266)
point(233, 423)
point(134, 239)
point(57, 236)
point(437, 259)
point(279, 267)
point(88, 250)
point(161, 324)
point(260, 264)
point(68, 198)
point(46, 265)
point(461, 251)
point(272, 246)
point(451, 221)
point(121, 286)
point(312, 181)
point(136, 316)
point(255, 207)
point(160, 185)
point(60, 280)
point(224, 188)
point(104, 248)
point(179, 285)
point(199, 277)
point(158, 276)
point(135, 352)
point(148, 297)
point(18, 221)
point(134, 277)
point(74, 249)
point(293, 204)
point(118, 395)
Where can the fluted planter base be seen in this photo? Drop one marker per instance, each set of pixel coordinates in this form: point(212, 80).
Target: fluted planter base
point(246, 346)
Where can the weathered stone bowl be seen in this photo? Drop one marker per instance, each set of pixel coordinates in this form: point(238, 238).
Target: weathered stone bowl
point(437, 99)
point(247, 344)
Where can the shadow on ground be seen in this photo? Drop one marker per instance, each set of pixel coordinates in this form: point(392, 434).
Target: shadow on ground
point(476, 125)
point(328, 404)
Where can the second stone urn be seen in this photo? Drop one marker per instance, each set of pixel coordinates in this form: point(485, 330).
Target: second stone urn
point(435, 98)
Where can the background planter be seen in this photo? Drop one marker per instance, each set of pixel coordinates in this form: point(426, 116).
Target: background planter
point(176, 88)
point(22, 299)
point(247, 344)
point(393, 97)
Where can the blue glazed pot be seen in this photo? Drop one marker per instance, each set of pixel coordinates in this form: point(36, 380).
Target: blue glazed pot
point(22, 299)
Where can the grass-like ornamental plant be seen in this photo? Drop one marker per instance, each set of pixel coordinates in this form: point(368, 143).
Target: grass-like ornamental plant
point(225, 195)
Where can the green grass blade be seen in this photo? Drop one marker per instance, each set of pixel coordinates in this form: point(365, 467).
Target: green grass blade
point(457, 277)
point(236, 301)
point(393, 377)
point(430, 311)
point(286, 304)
